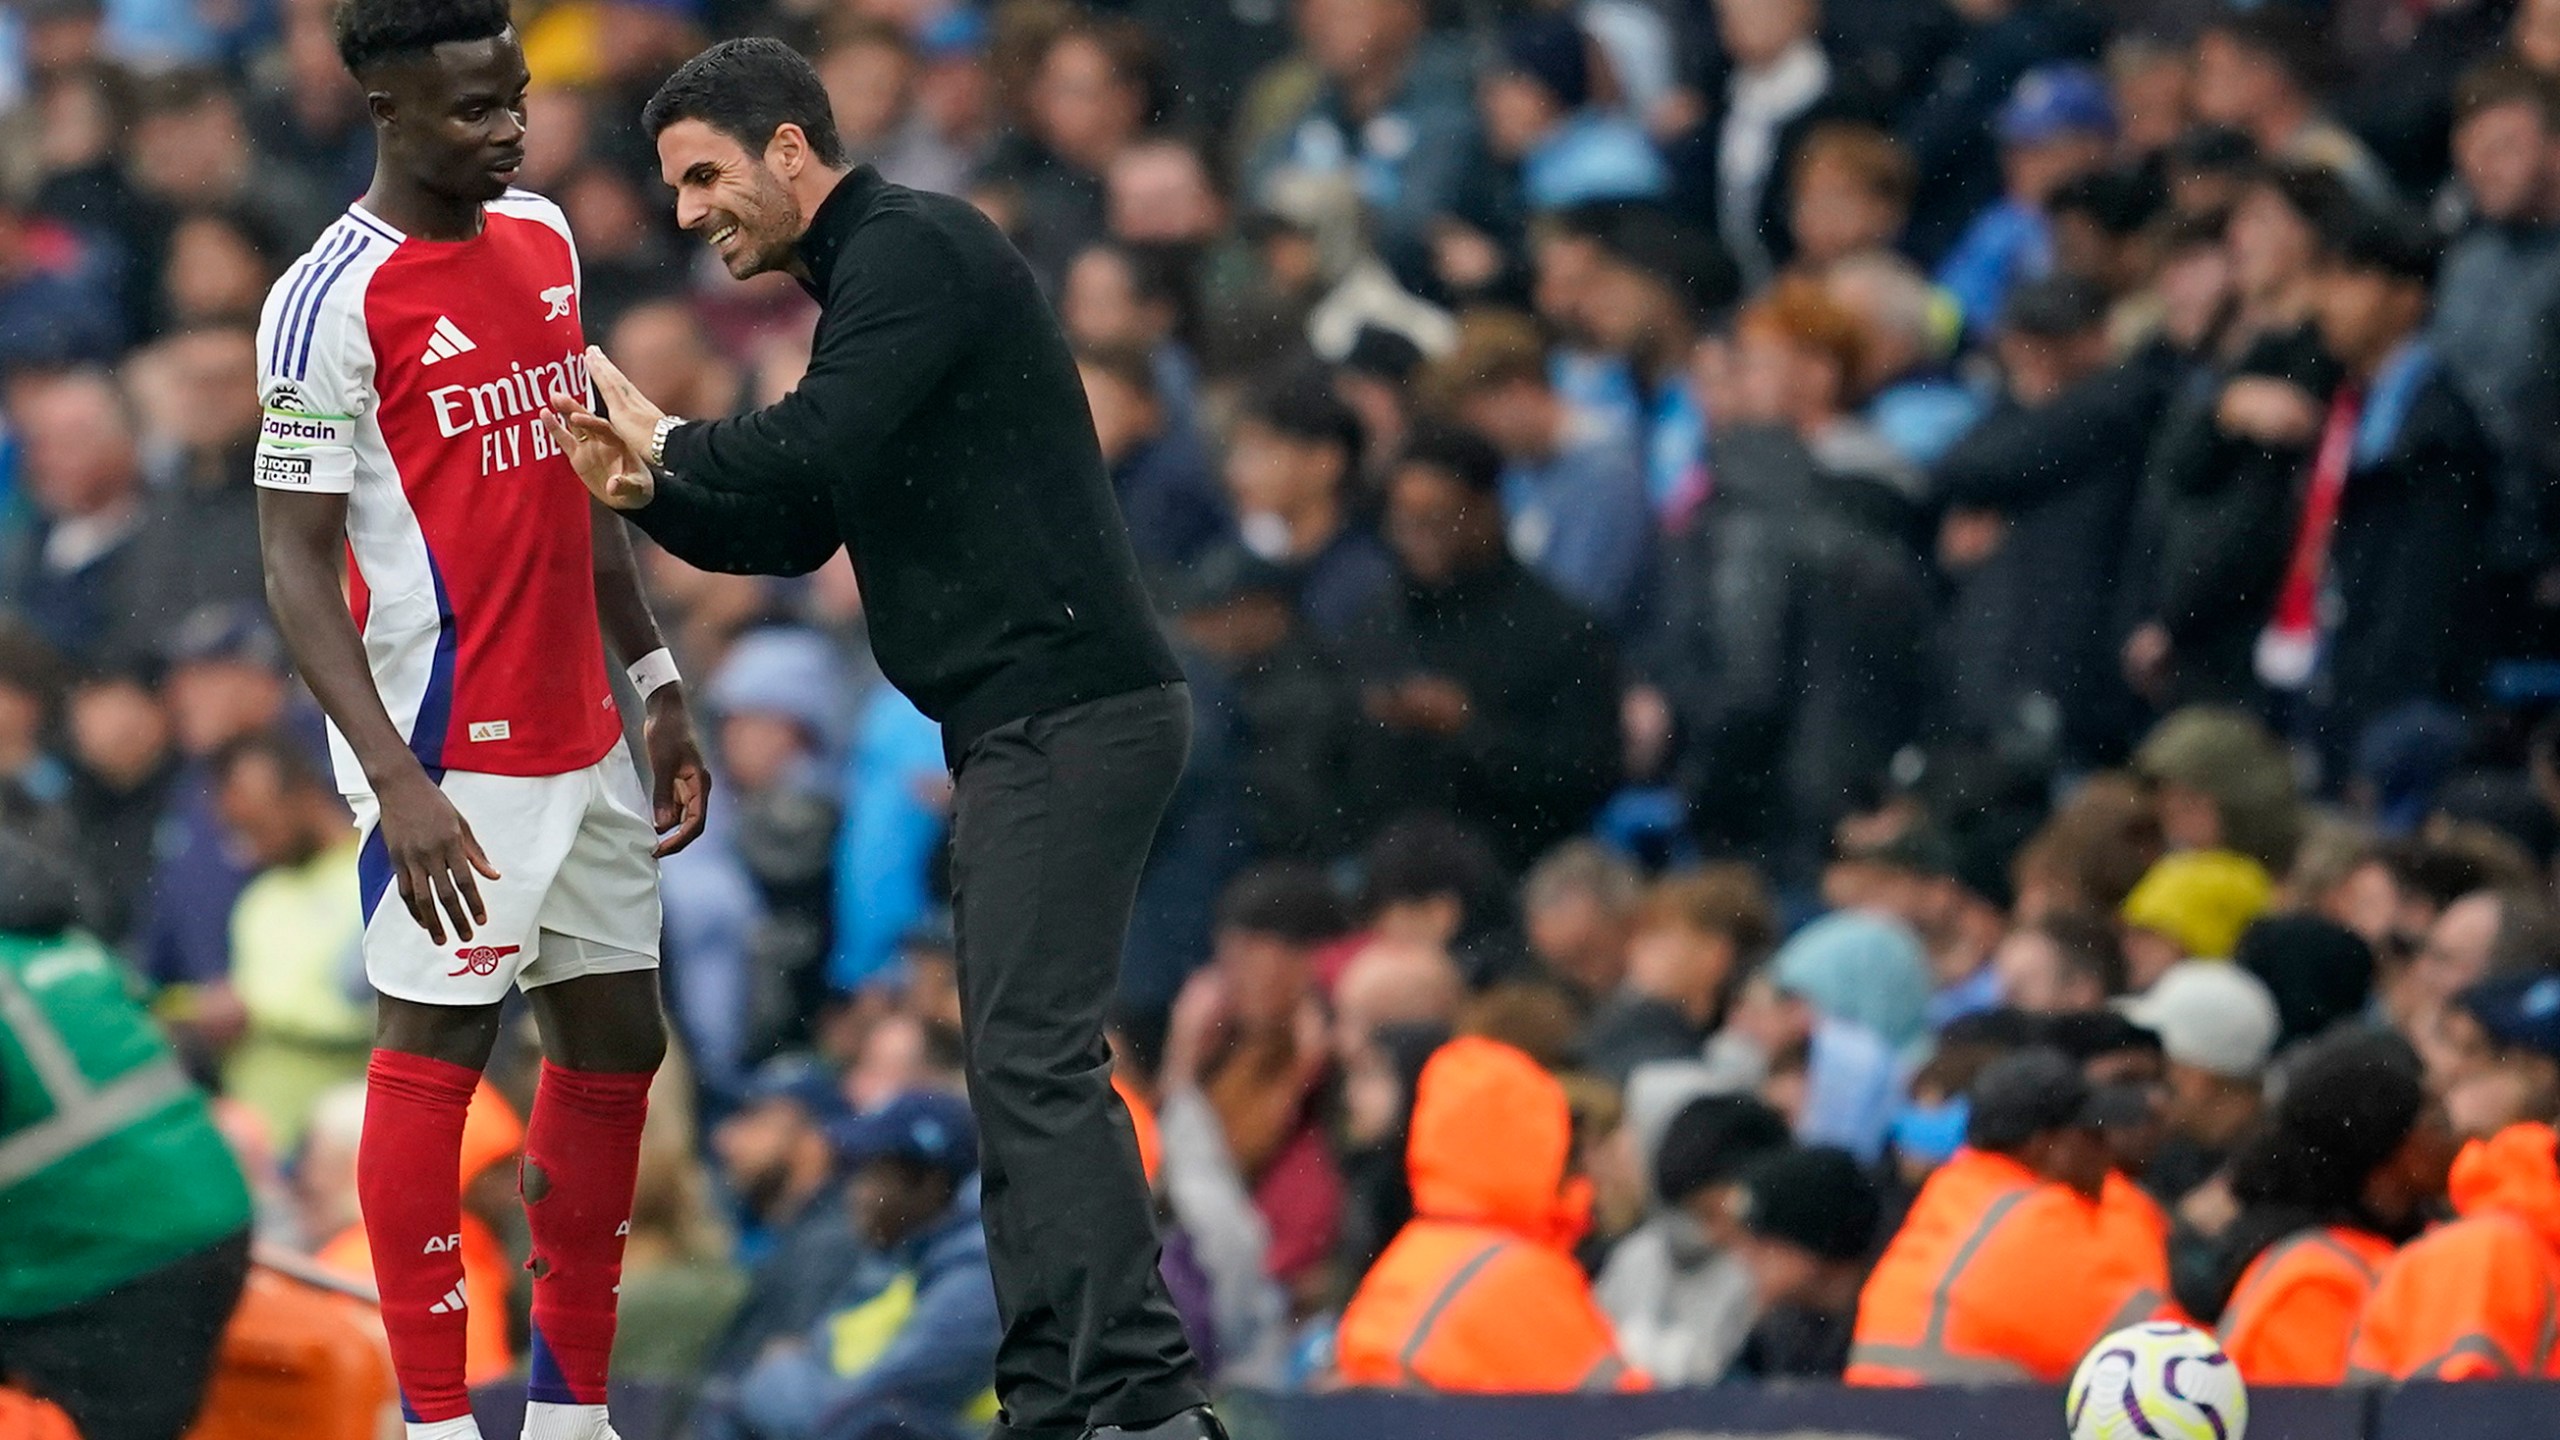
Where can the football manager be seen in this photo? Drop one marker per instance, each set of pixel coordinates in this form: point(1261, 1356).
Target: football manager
point(941, 437)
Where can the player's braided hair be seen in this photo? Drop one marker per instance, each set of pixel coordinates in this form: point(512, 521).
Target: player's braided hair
point(373, 31)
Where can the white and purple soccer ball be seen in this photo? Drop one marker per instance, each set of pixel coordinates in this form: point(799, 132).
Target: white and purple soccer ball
point(2157, 1381)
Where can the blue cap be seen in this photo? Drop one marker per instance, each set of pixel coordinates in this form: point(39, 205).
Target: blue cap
point(804, 1081)
point(784, 670)
point(2520, 1012)
point(931, 1127)
point(2052, 101)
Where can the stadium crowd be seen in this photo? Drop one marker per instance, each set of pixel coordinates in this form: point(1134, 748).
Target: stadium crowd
point(1851, 655)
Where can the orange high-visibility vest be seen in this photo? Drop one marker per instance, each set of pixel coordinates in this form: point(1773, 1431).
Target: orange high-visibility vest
point(2478, 1299)
point(2000, 1276)
point(2292, 1315)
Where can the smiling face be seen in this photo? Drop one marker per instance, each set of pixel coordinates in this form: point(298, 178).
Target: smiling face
point(738, 203)
point(452, 119)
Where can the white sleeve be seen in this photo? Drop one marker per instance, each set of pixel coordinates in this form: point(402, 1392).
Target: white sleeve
point(315, 380)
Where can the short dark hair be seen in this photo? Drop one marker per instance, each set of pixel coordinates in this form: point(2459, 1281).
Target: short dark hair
point(1290, 899)
point(2506, 80)
point(747, 89)
point(2057, 307)
point(2382, 240)
point(2118, 202)
point(1300, 404)
point(1454, 451)
point(2089, 948)
point(371, 32)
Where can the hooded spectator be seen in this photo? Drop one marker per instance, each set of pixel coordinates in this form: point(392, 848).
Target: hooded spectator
point(1480, 1292)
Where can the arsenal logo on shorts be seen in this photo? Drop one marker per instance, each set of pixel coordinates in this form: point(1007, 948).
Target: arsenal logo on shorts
point(481, 959)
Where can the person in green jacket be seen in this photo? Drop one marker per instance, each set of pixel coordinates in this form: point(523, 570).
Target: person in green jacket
point(124, 1223)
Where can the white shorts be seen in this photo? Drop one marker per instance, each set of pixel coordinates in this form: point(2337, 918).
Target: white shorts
point(576, 893)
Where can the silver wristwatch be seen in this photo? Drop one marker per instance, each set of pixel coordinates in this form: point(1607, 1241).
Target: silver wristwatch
point(658, 439)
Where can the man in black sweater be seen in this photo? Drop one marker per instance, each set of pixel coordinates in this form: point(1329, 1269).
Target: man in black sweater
point(941, 435)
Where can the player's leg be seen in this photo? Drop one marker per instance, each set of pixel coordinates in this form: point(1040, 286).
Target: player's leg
point(436, 1021)
point(595, 995)
point(426, 1062)
point(1054, 820)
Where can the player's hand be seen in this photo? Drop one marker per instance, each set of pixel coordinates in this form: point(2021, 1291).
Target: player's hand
point(612, 472)
point(635, 418)
point(681, 794)
point(435, 859)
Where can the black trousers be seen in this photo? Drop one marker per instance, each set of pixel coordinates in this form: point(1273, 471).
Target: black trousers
point(1053, 817)
point(132, 1364)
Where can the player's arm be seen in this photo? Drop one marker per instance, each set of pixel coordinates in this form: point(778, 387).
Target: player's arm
point(433, 856)
point(680, 782)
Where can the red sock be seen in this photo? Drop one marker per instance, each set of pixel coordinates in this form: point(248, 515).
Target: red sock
point(407, 1181)
point(585, 1142)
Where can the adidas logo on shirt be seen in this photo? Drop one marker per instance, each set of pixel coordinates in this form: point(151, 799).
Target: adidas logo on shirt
point(448, 342)
point(452, 1302)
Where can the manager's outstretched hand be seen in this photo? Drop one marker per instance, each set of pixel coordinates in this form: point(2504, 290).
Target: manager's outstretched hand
point(614, 472)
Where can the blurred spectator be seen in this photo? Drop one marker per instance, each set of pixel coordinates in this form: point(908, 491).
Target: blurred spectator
point(1695, 936)
point(224, 678)
point(2152, 82)
point(1251, 1038)
point(2221, 782)
point(1168, 488)
point(55, 308)
point(121, 765)
point(1852, 190)
point(1778, 87)
point(296, 933)
point(1863, 968)
point(1572, 488)
point(1393, 111)
point(1957, 1299)
point(1121, 295)
point(2217, 1025)
point(1812, 520)
point(1951, 126)
point(2468, 1281)
point(1578, 909)
point(778, 1164)
point(65, 563)
point(2039, 499)
point(1835, 1078)
point(1489, 696)
point(1540, 116)
point(2261, 73)
point(2057, 126)
point(871, 68)
point(1292, 710)
point(2499, 285)
point(1676, 1288)
point(2344, 1170)
point(1650, 286)
point(2063, 963)
point(1291, 459)
point(680, 1282)
point(1809, 1221)
point(1915, 401)
point(911, 1337)
point(197, 544)
point(1480, 1291)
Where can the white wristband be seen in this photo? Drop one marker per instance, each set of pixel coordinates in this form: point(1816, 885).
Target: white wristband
point(652, 671)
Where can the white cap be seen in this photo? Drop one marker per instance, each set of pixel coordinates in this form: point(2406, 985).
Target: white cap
point(2210, 1014)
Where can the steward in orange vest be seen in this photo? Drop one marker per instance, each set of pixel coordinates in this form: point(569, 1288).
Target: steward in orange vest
point(2479, 1299)
point(2342, 1170)
point(2008, 1266)
point(1480, 1291)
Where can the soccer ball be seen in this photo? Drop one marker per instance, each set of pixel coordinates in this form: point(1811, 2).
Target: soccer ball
point(2160, 1381)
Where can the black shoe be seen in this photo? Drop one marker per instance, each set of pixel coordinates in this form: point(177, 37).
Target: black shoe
point(1197, 1423)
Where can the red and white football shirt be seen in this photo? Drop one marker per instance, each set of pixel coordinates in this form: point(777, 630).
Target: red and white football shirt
point(410, 375)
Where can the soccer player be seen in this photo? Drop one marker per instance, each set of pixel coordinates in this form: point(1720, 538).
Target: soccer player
point(404, 363)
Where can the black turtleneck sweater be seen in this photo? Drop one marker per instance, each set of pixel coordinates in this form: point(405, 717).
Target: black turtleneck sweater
point(941, 436)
